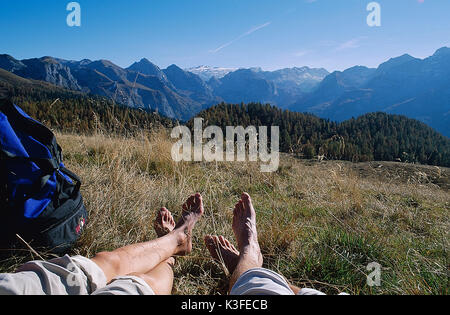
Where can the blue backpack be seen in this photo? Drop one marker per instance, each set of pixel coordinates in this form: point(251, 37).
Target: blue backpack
point(40, 199)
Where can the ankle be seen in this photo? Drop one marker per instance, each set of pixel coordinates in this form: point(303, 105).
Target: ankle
point(182, 241)
point(180, 236)
point(249, 245)
point(252, 249)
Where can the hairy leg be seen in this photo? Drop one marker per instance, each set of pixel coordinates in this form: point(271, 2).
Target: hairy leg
point(160, 279)
point(226, 254)
point(144, 257)
point(244, 228)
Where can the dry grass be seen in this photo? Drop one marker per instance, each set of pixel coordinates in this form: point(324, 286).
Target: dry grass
point(320, 224)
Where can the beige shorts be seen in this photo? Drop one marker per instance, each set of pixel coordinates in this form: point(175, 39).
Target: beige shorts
point(260, 281)
point(68, 276)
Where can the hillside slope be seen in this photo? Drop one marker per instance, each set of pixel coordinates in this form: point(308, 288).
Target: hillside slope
point(142, 85)
point(375, 136)
point(74, 111)
point(370, 137)
point(320, 224)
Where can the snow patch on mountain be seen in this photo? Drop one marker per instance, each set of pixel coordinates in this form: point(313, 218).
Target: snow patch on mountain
point(207, 72)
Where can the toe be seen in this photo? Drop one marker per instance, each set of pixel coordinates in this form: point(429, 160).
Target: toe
point(238, 207)
point(227, 243)
point(211, 240)
point(190, 203)
point(222, 241)
point(199, 204)
point(159, 216)
point(208, 240)
point(241, 207)
point(211, 244)
point(246, 202)
point(235, 210)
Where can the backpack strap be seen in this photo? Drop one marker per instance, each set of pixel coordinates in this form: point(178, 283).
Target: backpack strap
point(46, 165)
point(72, 176)
point(32, 127)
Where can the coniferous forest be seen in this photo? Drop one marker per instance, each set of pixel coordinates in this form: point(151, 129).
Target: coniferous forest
point(77, 112)
point(375, 136)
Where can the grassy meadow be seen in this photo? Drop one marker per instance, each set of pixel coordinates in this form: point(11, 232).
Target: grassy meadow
point(320, 224)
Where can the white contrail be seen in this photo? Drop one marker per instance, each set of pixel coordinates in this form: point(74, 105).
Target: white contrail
point(251, 31)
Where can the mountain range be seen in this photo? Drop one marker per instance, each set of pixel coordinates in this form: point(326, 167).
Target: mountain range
point(280, 88)
point(416, 88)
point(173, 92)
point(374, 136)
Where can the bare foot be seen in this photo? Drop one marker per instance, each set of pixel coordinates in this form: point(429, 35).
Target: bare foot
point(244, 228)
point(192, 212)
point(164, 222)
point(223, 252)
point(163, 225)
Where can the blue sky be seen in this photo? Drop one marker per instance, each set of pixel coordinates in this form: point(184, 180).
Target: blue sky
point(271, 34)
